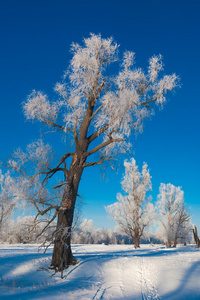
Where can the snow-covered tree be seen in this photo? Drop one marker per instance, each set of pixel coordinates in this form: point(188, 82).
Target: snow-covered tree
point(7, 202)
point(10, 195)
point(25, 230)
point(133, 211)
point(87, 234)
point(173, 216)
point(99, 110)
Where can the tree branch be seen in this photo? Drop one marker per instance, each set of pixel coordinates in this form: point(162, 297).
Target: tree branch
point(154, 99)
point(97, 110)
point(51, 172)
point(49, 222)
point(97, 162)
point(64, 158)
point(100, 131)
point(104, 144)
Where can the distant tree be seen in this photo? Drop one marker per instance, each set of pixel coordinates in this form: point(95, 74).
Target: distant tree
point(10, 189)
point(87, 234)
point(25, 230)
point(173, 216)
point(99, 111)
point(133, 212)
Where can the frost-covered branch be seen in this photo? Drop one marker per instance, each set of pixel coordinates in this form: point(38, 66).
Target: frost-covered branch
point(85, 106)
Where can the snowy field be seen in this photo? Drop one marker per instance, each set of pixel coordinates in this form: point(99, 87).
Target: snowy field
point(103, 272)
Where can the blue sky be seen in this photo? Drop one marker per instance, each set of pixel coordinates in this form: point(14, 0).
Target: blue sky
point(35, 41)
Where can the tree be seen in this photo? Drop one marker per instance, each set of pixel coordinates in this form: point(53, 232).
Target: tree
point(86, 234)
point(196, 238)
point(174, 218)
point(24, 230)
point(99, 111)
point(9, 195)
point(133, 212)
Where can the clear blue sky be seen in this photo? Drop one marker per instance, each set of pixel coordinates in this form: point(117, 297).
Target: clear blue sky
point(35, 40)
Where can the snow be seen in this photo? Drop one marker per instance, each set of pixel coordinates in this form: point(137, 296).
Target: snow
point(103, 272)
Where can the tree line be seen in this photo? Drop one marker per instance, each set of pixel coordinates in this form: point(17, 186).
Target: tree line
point(134, 212)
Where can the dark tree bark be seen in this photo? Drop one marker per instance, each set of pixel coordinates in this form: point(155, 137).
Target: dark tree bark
point(62, 254)
point(168, 243)
point(175, 240)
point(136, 237)
point(136, 242)
point(196, 238)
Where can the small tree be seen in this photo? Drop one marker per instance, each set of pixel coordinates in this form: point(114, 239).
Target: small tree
point(99, 111)
point(173, 216)
point(133, 212)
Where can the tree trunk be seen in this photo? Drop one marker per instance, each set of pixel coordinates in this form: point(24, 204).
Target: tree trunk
point(62, 253)
point(136, 242)
point(168, 244)
point(196, 238)
point(175, 240)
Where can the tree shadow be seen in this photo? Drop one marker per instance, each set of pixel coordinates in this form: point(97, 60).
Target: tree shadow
point(182, 291)
point(161, 251)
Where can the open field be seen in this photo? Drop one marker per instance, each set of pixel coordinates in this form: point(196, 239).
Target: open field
point(103, 272)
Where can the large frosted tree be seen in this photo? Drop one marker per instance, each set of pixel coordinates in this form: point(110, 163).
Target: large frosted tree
point(133, 211)
point(99, 110)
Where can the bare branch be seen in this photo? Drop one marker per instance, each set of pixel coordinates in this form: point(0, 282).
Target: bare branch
point(49, 222)
point(51, 131)
point(59, 185)
point(98, 133)
point(52, 172)
point(64, 158)
point(97, 162)
point(97, 110)
point(104, 144)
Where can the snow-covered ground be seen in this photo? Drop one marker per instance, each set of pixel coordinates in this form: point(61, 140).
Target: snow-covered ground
point(104, 272)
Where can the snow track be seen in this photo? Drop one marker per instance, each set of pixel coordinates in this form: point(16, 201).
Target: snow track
point(148, 279)
point(103, 272)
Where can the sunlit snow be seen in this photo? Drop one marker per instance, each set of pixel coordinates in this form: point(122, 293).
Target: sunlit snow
point(103, 272)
